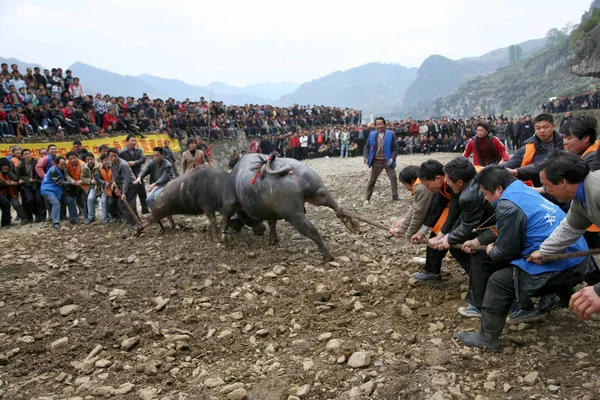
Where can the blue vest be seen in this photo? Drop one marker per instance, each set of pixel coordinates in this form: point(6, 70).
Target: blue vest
point(50, 163)
point(387, 147)
point(49, 187)
point(542, 218)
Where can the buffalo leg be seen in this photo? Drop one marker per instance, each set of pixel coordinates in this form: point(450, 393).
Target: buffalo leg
point(162, 228)
point(213, 229)
point(324, 199)
point(172, 222)
point(273, 239)
point(305, 227)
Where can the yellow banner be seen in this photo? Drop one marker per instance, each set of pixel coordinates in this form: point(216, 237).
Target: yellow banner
point(92, 145)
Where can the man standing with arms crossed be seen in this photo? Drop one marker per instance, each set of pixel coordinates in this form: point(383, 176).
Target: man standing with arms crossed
point(380, 153)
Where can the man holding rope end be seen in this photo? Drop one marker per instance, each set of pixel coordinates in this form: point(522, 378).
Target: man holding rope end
point(524, 218)
point(568, 177)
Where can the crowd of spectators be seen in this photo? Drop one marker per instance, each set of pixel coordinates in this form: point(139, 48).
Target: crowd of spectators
point(588, 100)
point(433, 135)
point(51, 103)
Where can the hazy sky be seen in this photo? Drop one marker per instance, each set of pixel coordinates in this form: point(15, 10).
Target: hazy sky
point(244, 42)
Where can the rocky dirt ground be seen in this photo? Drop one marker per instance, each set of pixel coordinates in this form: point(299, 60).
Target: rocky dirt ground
point(87, 314)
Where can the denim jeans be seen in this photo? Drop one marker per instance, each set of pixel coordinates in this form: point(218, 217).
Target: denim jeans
point(55, 207)
point(109, 207)
point(91, 204)
point(343, 150)
point(153, 196)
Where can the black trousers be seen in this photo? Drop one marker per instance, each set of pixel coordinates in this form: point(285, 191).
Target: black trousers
point(434, 258)
point(5, 209)
point(141, 191)
point(33, 202)
point(512, 284)
point(131, 195)
point(593, 242)
point(482, 268)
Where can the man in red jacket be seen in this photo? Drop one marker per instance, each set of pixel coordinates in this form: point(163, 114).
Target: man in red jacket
point(486, 149)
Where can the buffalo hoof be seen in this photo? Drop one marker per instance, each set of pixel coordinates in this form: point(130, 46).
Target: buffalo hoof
point(328, 257)
point(273, 241)
point(226, 238)
point(162, 231)
point(352, 226)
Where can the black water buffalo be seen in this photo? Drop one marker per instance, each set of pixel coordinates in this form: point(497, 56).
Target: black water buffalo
point(200, 191)
point(270, 188)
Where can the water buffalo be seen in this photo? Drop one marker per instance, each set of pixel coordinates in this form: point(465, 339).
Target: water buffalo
point(270, 188)
point(200, 191)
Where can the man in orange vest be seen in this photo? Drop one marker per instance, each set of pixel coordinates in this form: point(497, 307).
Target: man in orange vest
point(77, 191)
point(443, 213)
point(536, 149)
point(109, 198)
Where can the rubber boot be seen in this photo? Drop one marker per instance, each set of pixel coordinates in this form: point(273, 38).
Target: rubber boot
point(487, 337)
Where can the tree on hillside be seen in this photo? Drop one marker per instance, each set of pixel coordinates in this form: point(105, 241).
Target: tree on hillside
point(515, 53)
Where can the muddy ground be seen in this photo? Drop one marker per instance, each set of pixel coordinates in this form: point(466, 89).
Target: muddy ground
point(85, 314)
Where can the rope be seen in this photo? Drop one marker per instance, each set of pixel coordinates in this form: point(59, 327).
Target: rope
point(363, 219)
point(545, 259)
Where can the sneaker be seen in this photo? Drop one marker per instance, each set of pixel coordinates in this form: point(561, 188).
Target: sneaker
point(524, 315)
point(73, 221)
point(56, 226)
point(396, 198)
point(88, 221)
point(131, 226)
point(470, 311)
point(427, 276)
point(420, 260)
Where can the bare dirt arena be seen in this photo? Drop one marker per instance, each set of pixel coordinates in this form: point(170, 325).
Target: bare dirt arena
point(87, 314)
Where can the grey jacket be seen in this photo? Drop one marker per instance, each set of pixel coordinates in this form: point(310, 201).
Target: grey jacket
point(580, 217)
point(122, 175)
point(417, 212)
point(160, 173)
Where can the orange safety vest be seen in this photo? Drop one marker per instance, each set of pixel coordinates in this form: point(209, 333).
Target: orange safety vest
point(5, 190)
point(108, 177)
point(417, 181)
point(446, 192)
point(15, 161)
point(75, 172)
point(594, 147)
point(528, 159)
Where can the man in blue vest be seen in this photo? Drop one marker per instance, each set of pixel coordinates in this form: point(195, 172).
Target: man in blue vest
point(524, 218)
point(380, 153)
point(52, 189)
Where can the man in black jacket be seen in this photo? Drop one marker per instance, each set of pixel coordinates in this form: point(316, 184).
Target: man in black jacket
point(442, 215)
point(134, 156)
point(534, 150)
point(476, 214)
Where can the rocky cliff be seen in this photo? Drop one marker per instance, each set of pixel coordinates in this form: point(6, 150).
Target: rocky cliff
point(515, 90)
point(586, 54)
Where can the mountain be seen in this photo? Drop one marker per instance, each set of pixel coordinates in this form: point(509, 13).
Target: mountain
point(515, 90)
point(272, 90)
point(95, 80)
point(440, 76)
point(373, 87)
point(22, 65)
